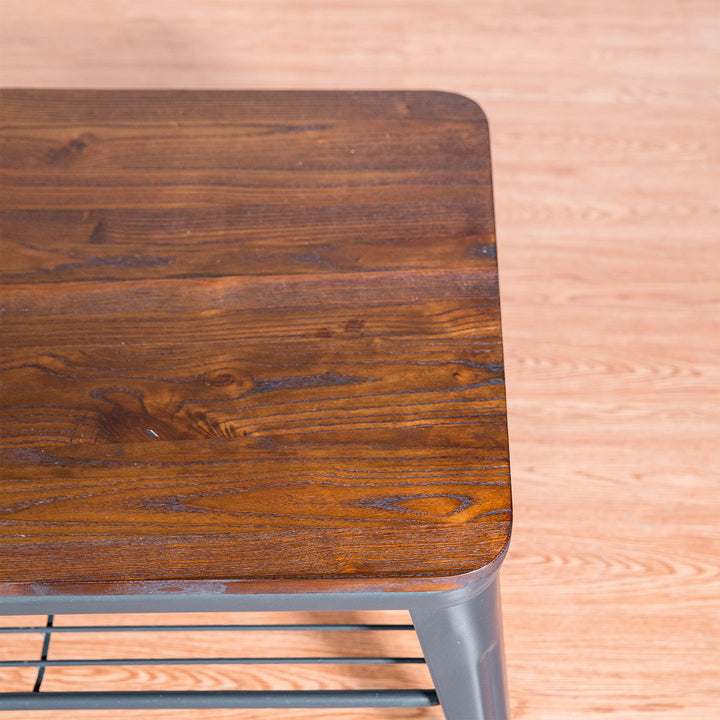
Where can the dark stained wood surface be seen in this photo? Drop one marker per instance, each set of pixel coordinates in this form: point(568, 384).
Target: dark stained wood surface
point(250, 338)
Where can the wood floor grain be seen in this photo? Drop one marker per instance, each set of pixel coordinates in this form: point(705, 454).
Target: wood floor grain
point(604, 121)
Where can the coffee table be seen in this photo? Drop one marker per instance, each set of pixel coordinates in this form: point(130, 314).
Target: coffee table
point(252, 360)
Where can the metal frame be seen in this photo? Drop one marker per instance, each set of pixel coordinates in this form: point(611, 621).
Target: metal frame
point(460, 632)
point(463, 645)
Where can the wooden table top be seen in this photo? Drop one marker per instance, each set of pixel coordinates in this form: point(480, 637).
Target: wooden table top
point(250, 340)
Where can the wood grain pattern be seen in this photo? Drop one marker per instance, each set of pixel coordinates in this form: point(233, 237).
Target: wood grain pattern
point(249, 337)
point(606, 164)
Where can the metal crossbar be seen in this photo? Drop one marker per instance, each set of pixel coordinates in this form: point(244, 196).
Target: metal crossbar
point(218, 699)
point(39, 700)
point(328, 627)
point(214, 661)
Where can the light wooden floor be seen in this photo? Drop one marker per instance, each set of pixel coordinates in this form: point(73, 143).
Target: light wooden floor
point(605, 121)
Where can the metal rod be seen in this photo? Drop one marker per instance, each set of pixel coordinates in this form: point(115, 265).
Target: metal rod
point(215, 661)
point(203, 628)
point(43, 656)
point(218, 699)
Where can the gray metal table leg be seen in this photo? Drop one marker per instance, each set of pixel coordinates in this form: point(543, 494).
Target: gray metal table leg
point(463, 646)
